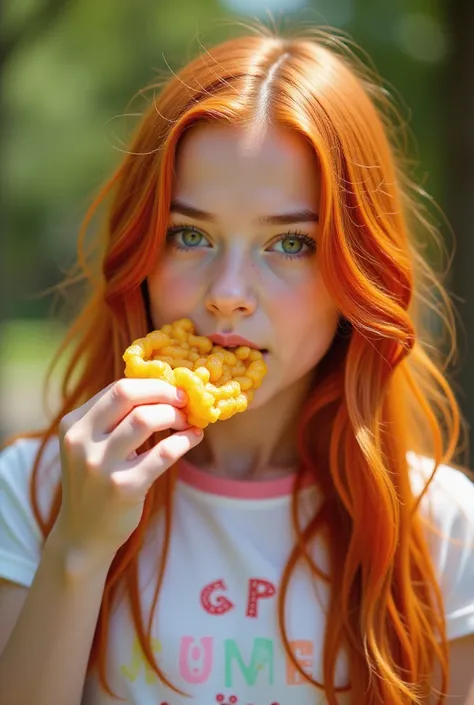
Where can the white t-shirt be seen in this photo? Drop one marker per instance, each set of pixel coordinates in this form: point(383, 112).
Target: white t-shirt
point(215, 631)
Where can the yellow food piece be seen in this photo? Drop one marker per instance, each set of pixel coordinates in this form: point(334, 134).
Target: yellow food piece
point(219, 382)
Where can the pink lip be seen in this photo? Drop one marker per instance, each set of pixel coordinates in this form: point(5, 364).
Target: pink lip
point(231, 341)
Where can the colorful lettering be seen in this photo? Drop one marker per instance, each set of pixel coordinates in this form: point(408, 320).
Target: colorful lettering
point(262, 655)
point(258, 589)
point(303, 651)
point(139, 661)
point(195, 660)
point(221, 605)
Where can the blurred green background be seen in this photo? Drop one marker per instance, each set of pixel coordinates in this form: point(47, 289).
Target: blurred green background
point(70, 68)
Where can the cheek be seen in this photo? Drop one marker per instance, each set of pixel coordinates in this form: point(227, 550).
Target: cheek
point(172, 296)
point(305, 320)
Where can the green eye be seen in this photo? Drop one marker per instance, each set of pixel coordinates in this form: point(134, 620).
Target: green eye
point(191, 237)
point(185, 237)
point(295, 245)
point(292, 245)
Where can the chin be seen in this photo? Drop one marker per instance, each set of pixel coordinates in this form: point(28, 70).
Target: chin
point(264, 395)
point(260, 398)
point(293, 390)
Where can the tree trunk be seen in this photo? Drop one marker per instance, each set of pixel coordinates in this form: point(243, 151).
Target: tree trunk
point(459, 153)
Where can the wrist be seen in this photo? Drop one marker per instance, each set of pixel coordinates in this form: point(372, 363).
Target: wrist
point(76, 563)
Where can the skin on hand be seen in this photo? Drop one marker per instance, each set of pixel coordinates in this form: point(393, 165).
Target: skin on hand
point(104, 481)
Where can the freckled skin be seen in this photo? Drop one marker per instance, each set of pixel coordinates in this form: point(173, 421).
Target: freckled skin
point(233, 273)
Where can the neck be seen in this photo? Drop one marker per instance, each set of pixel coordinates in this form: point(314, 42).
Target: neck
point(257, 444)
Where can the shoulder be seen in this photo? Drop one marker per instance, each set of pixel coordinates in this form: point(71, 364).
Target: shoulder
point(447, 511)
point(450, 494)
point(21, 538)
point(19, 456)
point(16, 467)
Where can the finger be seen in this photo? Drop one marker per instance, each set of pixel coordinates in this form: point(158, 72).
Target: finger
point(139, 424)
point(122, 396)
point(82, 410)
point(145, 468)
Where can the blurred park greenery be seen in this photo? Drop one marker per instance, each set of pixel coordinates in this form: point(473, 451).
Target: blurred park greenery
point(70, 69)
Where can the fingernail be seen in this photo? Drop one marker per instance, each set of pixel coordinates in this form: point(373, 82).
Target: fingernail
point(198, 431)
point(181, 395)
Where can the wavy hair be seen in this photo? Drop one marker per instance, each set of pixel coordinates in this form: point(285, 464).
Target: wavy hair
point(380, 391)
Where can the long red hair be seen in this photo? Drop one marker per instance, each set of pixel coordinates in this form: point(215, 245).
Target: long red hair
point(380, 391)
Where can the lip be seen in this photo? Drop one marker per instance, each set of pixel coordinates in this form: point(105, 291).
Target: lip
point(233, 341)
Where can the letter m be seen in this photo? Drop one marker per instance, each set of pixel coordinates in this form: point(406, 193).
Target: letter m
point(262, 655)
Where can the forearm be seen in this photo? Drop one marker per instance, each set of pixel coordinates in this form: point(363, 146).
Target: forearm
point(45, 659)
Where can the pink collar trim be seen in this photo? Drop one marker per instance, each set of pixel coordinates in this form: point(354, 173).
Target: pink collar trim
point(238, 489)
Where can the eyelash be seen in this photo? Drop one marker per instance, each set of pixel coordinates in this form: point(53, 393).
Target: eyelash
point(295, 234)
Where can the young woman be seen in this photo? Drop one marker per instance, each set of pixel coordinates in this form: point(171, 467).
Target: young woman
point(317, 548)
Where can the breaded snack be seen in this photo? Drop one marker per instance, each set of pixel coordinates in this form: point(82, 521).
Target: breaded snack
point(219, 382)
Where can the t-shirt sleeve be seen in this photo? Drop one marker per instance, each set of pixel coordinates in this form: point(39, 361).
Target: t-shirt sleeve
point(449, 506)
point(21, 539)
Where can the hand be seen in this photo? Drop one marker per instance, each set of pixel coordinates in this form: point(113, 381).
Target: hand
point(104, 481)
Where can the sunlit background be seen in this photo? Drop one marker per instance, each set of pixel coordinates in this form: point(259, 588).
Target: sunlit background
point(70, 68)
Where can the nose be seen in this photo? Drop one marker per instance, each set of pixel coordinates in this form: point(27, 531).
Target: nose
point(230, 293)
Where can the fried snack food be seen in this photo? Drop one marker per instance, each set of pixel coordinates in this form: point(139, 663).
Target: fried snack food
point(219, 382)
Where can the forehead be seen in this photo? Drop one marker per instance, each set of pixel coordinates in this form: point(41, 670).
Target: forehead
point(217, 158)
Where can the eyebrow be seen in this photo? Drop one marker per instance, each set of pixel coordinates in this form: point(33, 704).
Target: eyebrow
point(302, 216)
